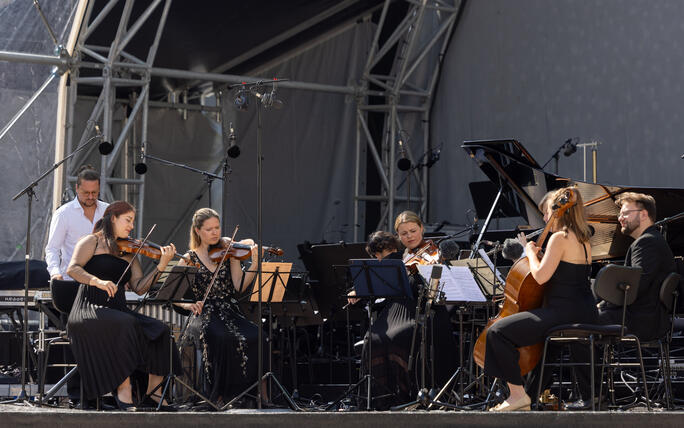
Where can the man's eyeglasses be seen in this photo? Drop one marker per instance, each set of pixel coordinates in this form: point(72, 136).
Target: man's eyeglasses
point(625, 213)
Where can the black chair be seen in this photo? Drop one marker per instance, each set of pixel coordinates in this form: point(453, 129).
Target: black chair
point(63, 294)
point(669, 294)
point(617, 285)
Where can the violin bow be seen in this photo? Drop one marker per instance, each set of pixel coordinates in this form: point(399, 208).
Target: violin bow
point(128, 266)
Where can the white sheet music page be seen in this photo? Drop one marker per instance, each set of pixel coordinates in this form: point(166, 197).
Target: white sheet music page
point(457, 283)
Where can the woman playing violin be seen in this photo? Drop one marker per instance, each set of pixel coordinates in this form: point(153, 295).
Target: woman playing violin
point(109, 340)
point(564, 271)
point(392, 331)
point(229, 341)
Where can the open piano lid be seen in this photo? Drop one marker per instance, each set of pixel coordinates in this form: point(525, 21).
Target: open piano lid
point(508, 164)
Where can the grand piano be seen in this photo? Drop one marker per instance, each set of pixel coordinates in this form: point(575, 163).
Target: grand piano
point(523, 183)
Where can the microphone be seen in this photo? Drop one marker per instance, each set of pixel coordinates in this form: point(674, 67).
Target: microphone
point(403, 163)
point(233, 149)
point(105, 147)
point(434, 281)
point(490, 243)
point(449, 249)
point(512, 249)
point(141, 167)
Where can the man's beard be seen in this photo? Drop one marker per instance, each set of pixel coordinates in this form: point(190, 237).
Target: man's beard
point(87, 203)
point(630, 227)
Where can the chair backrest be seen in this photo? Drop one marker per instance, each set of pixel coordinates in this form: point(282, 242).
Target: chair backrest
point(63, 294)
point(617, 284)
point(669, 290)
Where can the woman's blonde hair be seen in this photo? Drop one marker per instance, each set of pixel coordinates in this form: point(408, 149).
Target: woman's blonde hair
point(407, 217)
point(575, 217)
point(198, 219)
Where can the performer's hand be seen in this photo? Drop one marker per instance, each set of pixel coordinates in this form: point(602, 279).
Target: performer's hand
point(167, 253)
point(352, 300)
point(108, 286)
point(195, 308)
point(57, 276)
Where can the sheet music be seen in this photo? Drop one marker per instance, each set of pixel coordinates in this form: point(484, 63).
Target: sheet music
point(489, 263)
point(457, 283)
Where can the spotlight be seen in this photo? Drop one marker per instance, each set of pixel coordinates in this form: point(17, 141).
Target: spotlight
point(404, 164)
point(241, 100)
point(269, 99)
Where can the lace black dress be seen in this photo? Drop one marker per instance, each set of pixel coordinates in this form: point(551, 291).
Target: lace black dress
point(110, 341)
point(229, 341)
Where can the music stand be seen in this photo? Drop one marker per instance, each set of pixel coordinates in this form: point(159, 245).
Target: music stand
point(274, 277)
point(172, 290)
point(374, 279)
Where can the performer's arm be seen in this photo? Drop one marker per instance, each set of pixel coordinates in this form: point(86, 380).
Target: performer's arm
point(84, 251)
point(54, 244)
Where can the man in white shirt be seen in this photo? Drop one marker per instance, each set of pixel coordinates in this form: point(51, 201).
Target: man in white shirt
point(72, 221)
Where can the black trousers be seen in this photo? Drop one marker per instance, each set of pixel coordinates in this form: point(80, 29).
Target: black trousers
point(524, 329)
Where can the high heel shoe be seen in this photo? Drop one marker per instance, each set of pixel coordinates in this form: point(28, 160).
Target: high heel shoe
point(126, 407)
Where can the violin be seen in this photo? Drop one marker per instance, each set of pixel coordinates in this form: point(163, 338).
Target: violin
point(239, 252)
point(427, 254)
point(148, 249)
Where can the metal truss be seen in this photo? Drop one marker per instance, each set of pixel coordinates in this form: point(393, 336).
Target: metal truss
point(406, 107)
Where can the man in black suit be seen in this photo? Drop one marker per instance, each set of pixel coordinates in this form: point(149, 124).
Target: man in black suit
point(646, 317)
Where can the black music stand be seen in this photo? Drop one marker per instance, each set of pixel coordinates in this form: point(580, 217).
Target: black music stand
point(274, 277)
point(373, 279)
point(172, 291)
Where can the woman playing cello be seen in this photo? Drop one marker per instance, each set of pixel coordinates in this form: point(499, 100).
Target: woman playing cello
point(564, 272)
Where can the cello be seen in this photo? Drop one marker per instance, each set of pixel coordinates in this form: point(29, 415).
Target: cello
point(523, 293)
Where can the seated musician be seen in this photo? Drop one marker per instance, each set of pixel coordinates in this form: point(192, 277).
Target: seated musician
point(109, 340)
point(646, 317)
point(392, 331)
point(229, 340)
point(564, 271)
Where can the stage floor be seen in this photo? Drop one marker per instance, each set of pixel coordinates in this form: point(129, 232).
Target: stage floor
point(12, 415)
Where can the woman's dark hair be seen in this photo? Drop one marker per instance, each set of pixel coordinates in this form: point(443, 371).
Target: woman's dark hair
point(104, 225)
point(380, 241)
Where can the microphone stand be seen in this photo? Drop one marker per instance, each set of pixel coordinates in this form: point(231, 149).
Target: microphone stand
point(254, 88)
point(30, 193)
point(208, 176)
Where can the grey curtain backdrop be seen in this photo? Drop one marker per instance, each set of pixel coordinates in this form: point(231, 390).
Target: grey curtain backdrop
point(28, 148)
point(542, 72)
point(308, 150)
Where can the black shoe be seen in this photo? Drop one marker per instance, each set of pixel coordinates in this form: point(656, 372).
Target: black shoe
point(126, 407)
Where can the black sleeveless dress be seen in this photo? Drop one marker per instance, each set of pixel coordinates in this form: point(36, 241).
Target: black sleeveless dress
point(110, 341)
point(567, 299)
point(229, 340)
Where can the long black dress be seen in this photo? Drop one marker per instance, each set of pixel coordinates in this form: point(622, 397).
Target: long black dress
point(568, 299)
point(110, 341)
point(229, 340)
point(391, 335)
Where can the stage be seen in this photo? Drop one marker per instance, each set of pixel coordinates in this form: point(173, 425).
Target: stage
point(23, 416)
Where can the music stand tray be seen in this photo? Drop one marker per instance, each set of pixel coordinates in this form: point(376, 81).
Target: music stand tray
point(379, 278)
point(177, 282)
